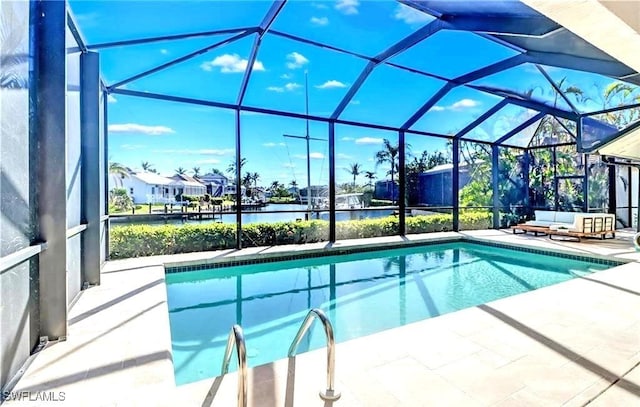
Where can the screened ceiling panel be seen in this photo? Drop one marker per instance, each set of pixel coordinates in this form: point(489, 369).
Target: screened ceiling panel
point(390, 96)
point(523, 137)
point(453, 53)
point(143, 57)
point(213, 76)
point(552, 132)
point(353, 25)
point(456, 110)
point(524, 82)
point(282, 85)
point(107, 21)
point(500, 123)
point(591, 92)
point(596, 132)
point(479, 9)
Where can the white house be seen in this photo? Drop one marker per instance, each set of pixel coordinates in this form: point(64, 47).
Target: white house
point(186, 185)
point(145, 187)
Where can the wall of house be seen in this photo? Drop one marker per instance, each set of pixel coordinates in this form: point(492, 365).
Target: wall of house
point(19, 316)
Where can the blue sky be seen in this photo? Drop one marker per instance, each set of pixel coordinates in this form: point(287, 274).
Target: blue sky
point(171, 135)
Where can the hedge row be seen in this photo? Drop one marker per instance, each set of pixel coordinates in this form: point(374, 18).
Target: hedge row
point(147, 240)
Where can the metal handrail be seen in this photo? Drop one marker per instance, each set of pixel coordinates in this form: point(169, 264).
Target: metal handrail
point(236, 338)
point(330, 393)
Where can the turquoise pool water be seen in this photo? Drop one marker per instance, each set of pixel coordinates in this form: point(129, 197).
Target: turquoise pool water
point(361, 294)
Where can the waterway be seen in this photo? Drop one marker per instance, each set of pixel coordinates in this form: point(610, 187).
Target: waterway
point(274, 213)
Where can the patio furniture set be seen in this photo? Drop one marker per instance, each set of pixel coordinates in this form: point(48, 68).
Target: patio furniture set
point(569, 225)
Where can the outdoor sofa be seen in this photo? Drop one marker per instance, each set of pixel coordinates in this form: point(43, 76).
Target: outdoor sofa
point(571, 224)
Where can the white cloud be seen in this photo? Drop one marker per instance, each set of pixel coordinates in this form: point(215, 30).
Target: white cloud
point(296, 60)
point(331, 84)
point(202, 151)
point(347, 139)
point(459, 105)
point(288, 165)
point(370, 160)
point(410, 15)
point(231, 63)
point(369, 140)
point(354, 102)
point(319, 6)
point(320, 21)
point(347, 6)
point(341, 156)
point(464, 103)
point(291, 86)
point(140, 129)
point(164, 51)
point(285, 76)
point(132, 146)
point(111, 99)
point(272, 144)
point(314, 156)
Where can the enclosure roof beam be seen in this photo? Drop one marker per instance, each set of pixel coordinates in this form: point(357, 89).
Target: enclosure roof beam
point(557, 88)
point(613, 109)
point(139, 41)
point(73, 27)
point(266, 23)
point(182, 58)
point(608, 68)
point(462, 80)
point(541, 107)
point(519, 128)
point(400, 46)
point(535, 132)
point(221, 105)
point(480, 119)
point(565, 127)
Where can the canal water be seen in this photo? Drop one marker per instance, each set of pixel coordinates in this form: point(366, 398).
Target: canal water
point(274, 213)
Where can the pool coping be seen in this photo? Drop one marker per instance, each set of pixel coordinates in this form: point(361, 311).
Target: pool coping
point(332, 250)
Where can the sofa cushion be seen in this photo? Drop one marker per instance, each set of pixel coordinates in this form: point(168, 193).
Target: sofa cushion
point(565, 217)
point(545, 216)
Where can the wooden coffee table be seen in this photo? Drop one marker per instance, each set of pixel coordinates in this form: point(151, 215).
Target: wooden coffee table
point(543, 230)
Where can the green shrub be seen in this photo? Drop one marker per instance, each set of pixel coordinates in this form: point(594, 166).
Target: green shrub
point(148, 240)
point(120, 200)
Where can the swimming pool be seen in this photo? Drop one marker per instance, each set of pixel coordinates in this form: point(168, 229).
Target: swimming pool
point(361, 293)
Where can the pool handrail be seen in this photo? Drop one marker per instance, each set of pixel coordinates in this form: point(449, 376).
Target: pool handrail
point(329, 394)
point(236, 339)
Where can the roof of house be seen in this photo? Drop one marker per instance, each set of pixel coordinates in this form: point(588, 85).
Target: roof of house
point(152, 179)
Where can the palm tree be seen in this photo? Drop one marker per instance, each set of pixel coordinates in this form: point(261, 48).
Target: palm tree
point(354, 169)
point(196, 171)
point(255, 177)
point(246, 182)
point(389, 154)
point(119, 171)
point(294, 184)
point(216, 171)
point(370, 175)
point(231, 169)
point(275, 185)
point(180, 171)
point(147, 166)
